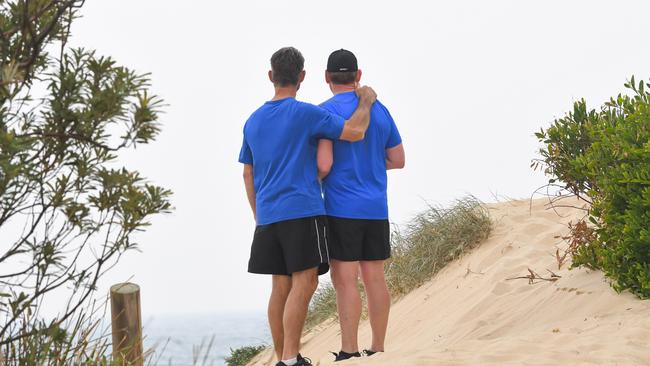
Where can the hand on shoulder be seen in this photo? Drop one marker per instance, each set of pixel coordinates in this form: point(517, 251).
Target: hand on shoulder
point(366, 94)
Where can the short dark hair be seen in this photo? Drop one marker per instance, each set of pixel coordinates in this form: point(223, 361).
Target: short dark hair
point(286, 64)
point(343, 77)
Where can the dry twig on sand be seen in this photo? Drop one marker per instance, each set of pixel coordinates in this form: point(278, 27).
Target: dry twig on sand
point(561, 258)
point(469, 271)
point(532, 276)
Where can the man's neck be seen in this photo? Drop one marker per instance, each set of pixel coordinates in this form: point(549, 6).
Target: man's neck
point(282, 92)
point(342, 88)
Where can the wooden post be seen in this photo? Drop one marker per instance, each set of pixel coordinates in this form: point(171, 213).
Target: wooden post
point(126, 322)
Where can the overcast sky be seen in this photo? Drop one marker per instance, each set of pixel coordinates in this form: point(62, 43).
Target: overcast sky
point(468, 83)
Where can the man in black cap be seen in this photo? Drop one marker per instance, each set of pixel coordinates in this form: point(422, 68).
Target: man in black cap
point(354, 187)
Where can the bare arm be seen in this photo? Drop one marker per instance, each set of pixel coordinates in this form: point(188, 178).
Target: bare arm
point(250, 187)
point(325, 158)
point(395, 157)
point(355, 127)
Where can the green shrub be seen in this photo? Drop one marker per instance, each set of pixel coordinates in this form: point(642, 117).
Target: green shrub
point(431, 240)
point(242, 355)
point(603, 157)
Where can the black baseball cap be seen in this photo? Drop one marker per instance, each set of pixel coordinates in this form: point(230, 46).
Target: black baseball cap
point(342, 61)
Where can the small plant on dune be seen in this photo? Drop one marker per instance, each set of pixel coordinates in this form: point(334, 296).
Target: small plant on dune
point(432, 240)
point(242, 355)
point(580, 233)
point(603, 157)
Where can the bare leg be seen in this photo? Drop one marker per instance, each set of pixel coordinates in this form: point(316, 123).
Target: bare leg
point(279, 294)
point(303, 285)
point(374, 281)
point(344, 278)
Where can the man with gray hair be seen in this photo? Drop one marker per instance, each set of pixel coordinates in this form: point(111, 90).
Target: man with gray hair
point(281, 180)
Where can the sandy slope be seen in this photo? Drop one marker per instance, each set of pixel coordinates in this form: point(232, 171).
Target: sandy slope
point(464, 318)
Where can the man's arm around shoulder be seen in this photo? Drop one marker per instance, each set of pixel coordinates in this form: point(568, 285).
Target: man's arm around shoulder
point(355, 127)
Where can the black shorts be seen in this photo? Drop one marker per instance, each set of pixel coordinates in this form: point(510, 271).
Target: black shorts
point(285, 247)
point(358, 239)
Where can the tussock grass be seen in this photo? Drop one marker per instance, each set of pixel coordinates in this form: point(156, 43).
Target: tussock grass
point(86, 340)
point(79, 341)
point(429, 242)
point(242, 355)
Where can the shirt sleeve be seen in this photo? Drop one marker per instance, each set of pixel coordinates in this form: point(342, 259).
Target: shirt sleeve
point(245, 154)
point(394, 137)
point(328, 125)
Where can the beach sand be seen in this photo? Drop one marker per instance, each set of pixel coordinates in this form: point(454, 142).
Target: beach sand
point(470, 314)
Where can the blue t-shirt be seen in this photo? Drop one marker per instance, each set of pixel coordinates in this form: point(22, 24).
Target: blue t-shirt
point(356, 186)
point(280, 141)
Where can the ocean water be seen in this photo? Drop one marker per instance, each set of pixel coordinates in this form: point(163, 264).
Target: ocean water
point(182, 340)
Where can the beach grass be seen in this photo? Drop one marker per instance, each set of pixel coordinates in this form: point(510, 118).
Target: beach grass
point(242, 355)
point(429, 241)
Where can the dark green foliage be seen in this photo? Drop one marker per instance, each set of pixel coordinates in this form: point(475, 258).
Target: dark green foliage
point(603, 156)
point(432, 239)
point(68, 209)
point(242, 355)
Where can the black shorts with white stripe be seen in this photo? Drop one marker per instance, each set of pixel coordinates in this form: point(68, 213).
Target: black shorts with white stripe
point(285, 247)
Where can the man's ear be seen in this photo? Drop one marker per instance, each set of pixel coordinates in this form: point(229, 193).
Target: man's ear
point(271, 76)
point(358, 78)
point(301, 78)
point(328, 79)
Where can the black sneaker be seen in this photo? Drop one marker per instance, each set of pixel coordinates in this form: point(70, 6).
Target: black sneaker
point(344, 355)
point(302, 361)
point(368, 352)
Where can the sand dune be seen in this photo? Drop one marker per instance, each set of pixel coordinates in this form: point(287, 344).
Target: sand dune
point(477, 317)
